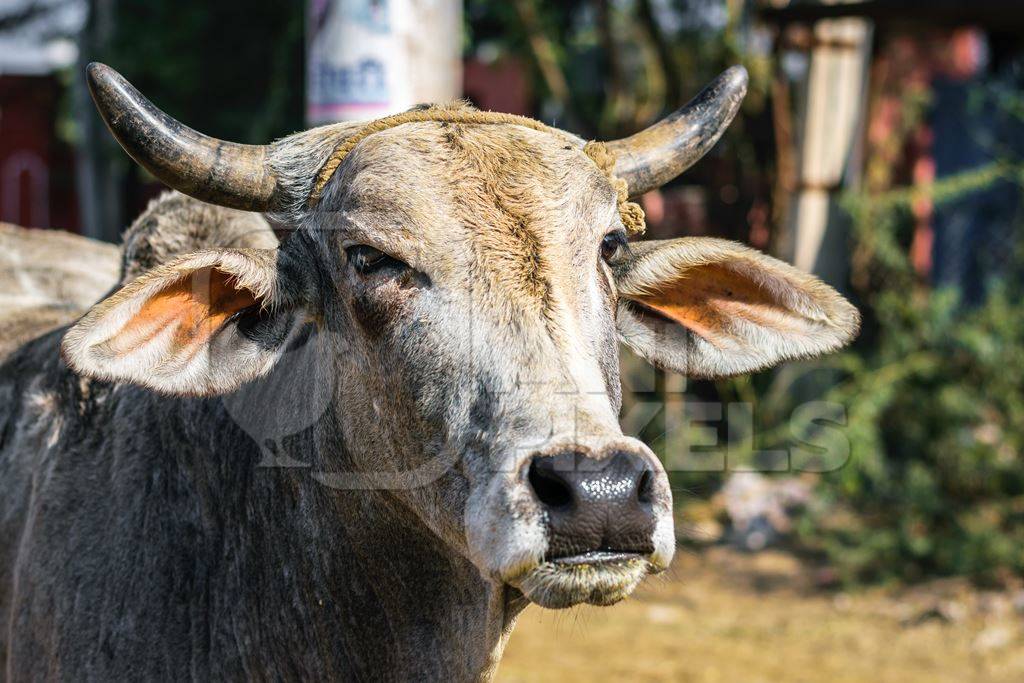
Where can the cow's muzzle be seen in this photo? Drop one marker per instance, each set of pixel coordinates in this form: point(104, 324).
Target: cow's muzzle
point(601, 521)
point(596, 510)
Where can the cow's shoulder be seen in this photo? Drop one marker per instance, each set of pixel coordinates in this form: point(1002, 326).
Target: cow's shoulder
point(38, 395)
point(35, 415)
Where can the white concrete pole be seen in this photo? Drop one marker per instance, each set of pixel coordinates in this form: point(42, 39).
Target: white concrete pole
point(369, 58)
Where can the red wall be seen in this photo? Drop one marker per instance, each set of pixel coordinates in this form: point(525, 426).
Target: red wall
point(36, 169)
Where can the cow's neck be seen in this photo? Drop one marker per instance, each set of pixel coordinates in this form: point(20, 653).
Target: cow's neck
point(335, 581)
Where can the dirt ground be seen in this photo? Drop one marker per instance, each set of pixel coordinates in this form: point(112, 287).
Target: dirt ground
point(724, 616)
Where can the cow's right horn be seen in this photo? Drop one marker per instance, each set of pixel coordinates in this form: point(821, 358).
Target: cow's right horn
point(224, 173)
point(654, 156)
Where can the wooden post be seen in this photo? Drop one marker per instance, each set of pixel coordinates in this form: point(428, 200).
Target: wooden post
point(829, 121)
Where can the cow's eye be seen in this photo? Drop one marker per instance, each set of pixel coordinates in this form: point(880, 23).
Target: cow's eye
point(614, 245)
point(367, 259)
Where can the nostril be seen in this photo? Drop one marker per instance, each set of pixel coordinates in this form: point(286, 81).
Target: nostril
point(550, 488)
point(645, 489)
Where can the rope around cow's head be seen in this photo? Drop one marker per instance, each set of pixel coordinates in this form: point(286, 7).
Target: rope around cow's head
point(245, 177)
point(630, 212)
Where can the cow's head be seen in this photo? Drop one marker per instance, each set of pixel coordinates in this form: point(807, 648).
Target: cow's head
point(466, 287)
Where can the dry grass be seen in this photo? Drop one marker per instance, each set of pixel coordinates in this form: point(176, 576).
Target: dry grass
point(728, 617)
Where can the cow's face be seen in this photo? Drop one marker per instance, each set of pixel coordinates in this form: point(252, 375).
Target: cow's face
point(465, 288)
point(471, 287)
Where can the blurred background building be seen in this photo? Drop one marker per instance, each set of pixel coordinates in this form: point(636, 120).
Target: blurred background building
point(37, 184)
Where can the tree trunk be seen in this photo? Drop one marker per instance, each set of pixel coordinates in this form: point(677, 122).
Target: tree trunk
point(99, 175)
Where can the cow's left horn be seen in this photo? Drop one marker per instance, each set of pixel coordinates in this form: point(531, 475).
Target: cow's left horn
point(658, 154)
point(206, 168)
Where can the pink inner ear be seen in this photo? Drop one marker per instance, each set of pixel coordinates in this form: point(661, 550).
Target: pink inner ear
point(711, 297)
point(195, 307)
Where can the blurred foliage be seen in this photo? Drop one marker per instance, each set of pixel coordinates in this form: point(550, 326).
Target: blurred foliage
point(607, 68)
point(935, 392)
point(935, 483)
point(935, 410)
point(231, 68)
point(934, 397)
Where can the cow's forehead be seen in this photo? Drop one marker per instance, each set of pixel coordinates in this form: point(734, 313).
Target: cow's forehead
point(439, 179)
point(510, 207)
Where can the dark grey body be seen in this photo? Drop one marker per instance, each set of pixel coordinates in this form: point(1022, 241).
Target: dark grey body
point(157, 548)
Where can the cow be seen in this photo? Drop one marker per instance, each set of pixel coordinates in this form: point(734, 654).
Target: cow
point(48, 278)
point(437, 334)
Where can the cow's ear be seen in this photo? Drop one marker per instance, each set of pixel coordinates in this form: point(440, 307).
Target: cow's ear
point(201, 325)
point(711, 308)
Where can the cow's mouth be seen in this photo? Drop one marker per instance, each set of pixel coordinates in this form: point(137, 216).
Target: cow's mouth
point(597, 577)
point(596, 557)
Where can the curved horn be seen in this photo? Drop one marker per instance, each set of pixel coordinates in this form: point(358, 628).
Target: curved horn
point(658, 154)
point(206, 168)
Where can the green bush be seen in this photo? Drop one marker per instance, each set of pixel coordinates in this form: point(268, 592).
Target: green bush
point(935, 482)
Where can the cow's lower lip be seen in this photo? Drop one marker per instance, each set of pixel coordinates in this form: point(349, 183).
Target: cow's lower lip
point(598, 578)
point(596, 557)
